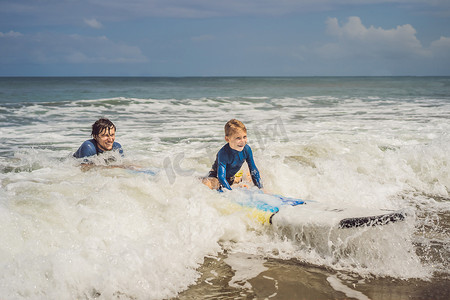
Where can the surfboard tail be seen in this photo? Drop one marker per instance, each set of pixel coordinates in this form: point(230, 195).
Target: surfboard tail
point(372, 220)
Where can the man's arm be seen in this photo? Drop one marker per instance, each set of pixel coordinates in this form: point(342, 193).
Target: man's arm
point(86, 149)
point(118, 147)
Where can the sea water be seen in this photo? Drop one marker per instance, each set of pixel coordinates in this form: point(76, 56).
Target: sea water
point(158, 233)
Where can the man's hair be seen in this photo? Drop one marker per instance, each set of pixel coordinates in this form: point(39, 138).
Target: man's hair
point(100, 125)
point(233, 126)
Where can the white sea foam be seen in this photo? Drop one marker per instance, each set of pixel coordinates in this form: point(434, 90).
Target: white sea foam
point(109, 232)
point(339, 286)
point(103, 231)
point(245, 267)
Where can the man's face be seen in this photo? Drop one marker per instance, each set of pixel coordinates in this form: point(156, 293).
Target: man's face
point(237, 140)
point(105, 139)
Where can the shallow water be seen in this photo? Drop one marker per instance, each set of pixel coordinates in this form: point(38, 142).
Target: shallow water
point(291, 279)
point(106, 233)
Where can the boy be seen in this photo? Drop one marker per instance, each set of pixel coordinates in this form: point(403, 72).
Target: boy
point(104, 134)
point(231, 157)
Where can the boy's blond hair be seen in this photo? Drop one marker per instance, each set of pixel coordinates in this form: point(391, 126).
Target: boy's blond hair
point(233, 126)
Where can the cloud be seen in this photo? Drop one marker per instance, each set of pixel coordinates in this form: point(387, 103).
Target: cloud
point(359, 49)
point(355, 39)
point(47, 48)
point(10, 34)
point(93, 23)
point(441, 47)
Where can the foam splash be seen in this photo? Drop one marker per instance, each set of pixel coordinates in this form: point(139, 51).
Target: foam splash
point(245, 267)
point(112, 233)
point(339, 286)
point(102, 232)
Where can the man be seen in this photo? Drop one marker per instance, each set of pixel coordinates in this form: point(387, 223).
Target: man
point(104, 134)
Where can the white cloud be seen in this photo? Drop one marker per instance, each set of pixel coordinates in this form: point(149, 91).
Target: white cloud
point(441, 47)
point(10, 34)
point(369, 50)
point(93, 23)
point(355, 39)
point(46, 48)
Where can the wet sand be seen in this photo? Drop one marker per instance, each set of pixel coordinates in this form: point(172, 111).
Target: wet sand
point(287, 280)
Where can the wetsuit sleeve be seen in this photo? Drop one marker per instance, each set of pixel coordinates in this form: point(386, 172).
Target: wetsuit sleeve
point(118, 147)
point(222, 171)
point(253, 169)
point(86, 149)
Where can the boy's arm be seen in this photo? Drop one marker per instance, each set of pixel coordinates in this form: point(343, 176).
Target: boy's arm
point(221, 175)
point(253, 169)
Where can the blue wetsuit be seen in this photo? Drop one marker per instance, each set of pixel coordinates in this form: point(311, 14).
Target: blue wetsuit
point(229, 162)
point(90, 148)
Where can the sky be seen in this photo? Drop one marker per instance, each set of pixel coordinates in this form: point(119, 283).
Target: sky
point(224, 37)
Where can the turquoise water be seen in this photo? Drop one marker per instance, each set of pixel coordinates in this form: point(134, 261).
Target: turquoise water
point(37, 89)
point(369, 142)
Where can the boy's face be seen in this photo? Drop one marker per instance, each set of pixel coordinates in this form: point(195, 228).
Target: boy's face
point(237, 140)
point(105, 139)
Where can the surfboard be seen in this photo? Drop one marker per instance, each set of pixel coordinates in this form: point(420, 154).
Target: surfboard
point(287, 211)
point(147, 171)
